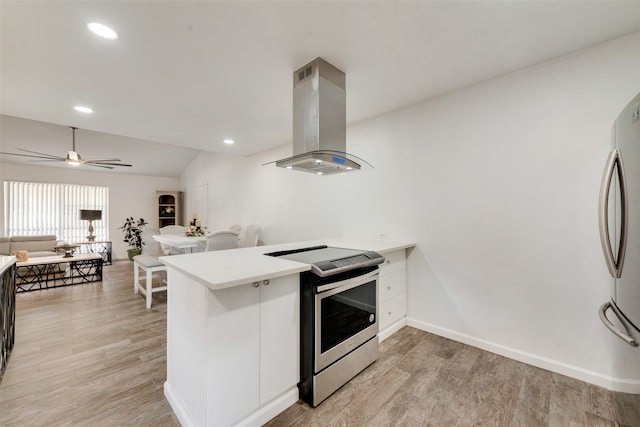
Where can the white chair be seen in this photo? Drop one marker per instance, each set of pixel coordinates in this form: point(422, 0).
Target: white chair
point(172, 229)
point(249, 236)
point(149, 244)
point(150, 265)
point(221, 239)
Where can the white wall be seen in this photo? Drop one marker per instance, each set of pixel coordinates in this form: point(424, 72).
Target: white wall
point(129, 195)
point(498, 186)
point(225, 180)
point(511, 258)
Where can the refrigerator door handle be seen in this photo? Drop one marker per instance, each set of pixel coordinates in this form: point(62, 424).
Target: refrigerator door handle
point(624, 208)
point(615, 267)
point(626, 337)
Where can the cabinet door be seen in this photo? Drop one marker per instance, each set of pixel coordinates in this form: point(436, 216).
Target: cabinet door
point(279, 336)
point(393, 284)
point(233, 340)
point(393, 261)
point(392, 310)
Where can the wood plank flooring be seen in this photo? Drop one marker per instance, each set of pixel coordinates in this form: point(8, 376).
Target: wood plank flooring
point(92, 355)
point(426, 380)
point(88, 355)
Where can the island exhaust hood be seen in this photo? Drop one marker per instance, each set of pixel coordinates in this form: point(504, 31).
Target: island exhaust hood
point(319, 122)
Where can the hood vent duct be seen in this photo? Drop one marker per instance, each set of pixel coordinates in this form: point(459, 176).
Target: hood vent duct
point(319, 122)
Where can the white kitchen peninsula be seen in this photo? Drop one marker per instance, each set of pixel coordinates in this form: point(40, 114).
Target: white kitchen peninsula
point(233, 332)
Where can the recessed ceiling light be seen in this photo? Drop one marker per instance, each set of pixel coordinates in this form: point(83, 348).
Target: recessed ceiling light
point(102, 31)
point(319, 173)
point(82, 109)
point(228, 141)
point(289, 167)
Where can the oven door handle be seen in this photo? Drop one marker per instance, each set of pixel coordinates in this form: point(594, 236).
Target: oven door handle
point(348, 282)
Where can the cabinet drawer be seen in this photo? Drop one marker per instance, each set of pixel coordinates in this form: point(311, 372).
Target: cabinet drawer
point(393, 261)
point(392, 284)
point(393, 310)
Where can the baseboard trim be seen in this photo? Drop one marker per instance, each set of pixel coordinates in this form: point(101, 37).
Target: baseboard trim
point(181, 414)
point(257, 418)
point(610, 383)
point(392, 329)
point(271, 409)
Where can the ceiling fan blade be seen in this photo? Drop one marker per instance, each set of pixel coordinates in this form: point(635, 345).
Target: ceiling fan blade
point(39, 156)
point(37, 152)
point(72, 158)
point(100, 163)
point(103, 160)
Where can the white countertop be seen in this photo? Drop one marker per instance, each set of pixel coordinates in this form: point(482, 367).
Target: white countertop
point(5, 262)
point(235, 267)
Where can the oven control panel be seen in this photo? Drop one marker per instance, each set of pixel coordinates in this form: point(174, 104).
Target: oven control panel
point(350, 261)
point(335, 266)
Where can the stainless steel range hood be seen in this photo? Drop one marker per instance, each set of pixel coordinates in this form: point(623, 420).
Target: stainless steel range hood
point(319, 121)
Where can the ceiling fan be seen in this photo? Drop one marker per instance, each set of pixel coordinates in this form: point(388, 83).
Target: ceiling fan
point(73, 157)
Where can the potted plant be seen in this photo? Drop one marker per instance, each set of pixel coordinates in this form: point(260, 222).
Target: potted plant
point(133, 235)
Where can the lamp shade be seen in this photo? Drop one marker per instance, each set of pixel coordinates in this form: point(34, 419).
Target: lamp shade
point(87, 214)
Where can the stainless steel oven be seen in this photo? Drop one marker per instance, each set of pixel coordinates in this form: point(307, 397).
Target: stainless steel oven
point(346, 316)
point(338, 317)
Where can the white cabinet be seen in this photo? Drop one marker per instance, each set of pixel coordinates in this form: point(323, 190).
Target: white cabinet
point(392, 292)
point(233, 351)
point(279, 336)
point(237, 361)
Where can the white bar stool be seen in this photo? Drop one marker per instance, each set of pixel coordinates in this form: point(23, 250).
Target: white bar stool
point(150, 264)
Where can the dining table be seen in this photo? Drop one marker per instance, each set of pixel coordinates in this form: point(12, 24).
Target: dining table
point(184, 243)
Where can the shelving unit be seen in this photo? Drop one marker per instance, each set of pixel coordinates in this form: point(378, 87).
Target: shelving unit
point(169, 208)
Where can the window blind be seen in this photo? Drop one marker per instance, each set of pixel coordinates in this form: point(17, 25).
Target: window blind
point(36, 208)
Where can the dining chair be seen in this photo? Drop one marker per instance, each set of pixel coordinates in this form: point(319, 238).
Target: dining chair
point(249, 236)
point(221, 239)
point(172, 229)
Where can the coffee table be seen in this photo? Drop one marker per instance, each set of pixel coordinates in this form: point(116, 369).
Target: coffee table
point(53, 271)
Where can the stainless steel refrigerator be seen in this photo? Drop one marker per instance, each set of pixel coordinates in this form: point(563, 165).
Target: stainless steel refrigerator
point(619, 219)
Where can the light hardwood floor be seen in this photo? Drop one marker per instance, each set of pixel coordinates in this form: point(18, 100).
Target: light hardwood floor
point(426, 380)
point(88, 355)
point(92, 355)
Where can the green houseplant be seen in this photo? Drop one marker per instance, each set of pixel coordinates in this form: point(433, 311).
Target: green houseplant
point(133, 235)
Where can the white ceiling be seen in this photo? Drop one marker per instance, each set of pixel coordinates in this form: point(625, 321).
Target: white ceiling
point(191, 74)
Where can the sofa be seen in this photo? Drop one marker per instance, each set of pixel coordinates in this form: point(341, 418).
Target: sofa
point(36, 246)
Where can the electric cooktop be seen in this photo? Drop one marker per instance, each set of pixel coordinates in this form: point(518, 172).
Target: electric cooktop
point(327, 260)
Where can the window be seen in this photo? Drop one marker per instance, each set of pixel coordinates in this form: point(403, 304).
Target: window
point(35, 208)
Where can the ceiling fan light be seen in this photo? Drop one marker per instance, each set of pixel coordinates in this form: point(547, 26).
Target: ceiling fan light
point(73, 158)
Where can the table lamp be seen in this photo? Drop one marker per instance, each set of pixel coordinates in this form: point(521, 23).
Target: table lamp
point(90, 215)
